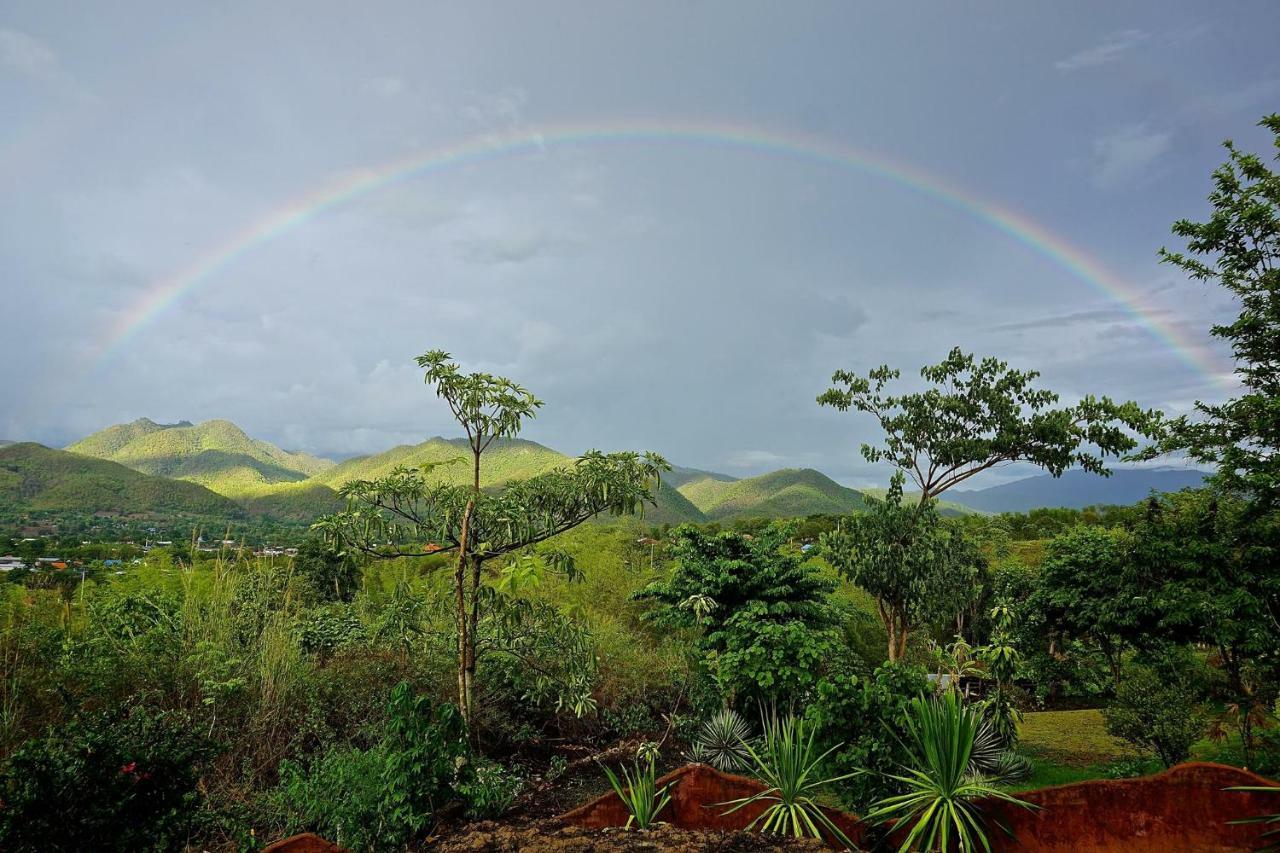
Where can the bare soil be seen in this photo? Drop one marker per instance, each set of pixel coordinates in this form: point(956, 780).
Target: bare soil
point(554, 835)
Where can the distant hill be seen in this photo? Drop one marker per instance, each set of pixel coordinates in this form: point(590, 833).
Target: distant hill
point(508, 459)
point(1077, 489)
point(4, 442)
point(216, 454)
point(780, 494)
point(678, 476)
point(34, 477)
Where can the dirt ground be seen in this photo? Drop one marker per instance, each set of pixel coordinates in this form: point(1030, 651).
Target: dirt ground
point(553, 835)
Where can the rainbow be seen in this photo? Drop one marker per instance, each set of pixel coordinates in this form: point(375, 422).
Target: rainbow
point(297, 212)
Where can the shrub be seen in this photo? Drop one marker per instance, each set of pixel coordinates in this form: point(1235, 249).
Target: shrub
point(722, 741)
point(788, 762)
point(766, 625)
point(109, 781)
point(640, 793)
point(1156, 715)
point(865, 718)
point(938, 806)
point(490, 791)
point(383, 797)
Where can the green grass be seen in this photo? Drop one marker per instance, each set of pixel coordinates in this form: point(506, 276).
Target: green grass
point(1071, 738)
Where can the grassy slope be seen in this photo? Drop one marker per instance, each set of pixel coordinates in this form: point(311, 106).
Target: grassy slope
point(35, 477)
point(679, 477)
point(216, 454)
point(787, 493)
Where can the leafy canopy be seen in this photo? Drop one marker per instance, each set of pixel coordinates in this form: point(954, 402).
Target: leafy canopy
point(980, 414)
point(1239, 249)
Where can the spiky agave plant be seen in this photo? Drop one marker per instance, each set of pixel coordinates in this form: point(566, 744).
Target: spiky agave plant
point(786, 761)
point(722, 741)
point(640, 793)
point(937, 810)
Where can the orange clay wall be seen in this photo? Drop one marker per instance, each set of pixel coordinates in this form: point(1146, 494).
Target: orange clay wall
point(1181, 810)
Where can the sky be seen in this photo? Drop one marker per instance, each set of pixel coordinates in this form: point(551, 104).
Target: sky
point(671, 221)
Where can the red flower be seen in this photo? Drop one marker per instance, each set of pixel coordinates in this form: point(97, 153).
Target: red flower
point(130, 767)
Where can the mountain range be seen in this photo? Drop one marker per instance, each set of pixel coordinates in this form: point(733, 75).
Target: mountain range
point(216, 468)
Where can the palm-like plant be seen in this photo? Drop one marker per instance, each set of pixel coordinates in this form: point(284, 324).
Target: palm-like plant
point(786, 762)
point(722, 741)
point(938, 809)
point(639, 792)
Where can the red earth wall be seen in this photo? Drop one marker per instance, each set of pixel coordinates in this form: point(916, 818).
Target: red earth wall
point(1178, 811)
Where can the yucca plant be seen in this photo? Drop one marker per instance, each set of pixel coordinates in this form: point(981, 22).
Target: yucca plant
point(722, 741)
point(639, 792)
point(938, 811)
point(785, 761)
point(1270, 836)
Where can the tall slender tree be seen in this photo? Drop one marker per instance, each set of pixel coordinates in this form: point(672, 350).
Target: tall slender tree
point(406, 514)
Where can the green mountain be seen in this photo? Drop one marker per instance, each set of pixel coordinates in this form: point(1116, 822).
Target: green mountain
point(787, 493)
point(679, 477)
point(216, 454)
point(504, 461)
point(37, 478)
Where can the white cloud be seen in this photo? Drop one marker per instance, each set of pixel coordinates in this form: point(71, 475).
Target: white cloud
point(1126, 154)
point(28, 55)
point(1111, 48)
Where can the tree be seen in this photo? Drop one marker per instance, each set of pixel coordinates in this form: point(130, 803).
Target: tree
point(1239, 249)
point(1155, 713)
point(1086, 592)
point(980, 414)
point(405, 515)
point(762, 610)
point(1207, 563)
point(917, 568)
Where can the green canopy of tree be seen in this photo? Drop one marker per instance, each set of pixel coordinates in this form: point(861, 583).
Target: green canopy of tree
point(980, 414)
point(1239, 249)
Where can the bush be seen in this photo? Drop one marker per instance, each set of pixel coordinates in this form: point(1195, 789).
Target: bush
point(1156, 715)
point(491, 790)
point(109, 781)
point(865, 716)
point(383, 797)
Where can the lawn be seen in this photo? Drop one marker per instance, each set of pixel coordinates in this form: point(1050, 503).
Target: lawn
point(1068, 746)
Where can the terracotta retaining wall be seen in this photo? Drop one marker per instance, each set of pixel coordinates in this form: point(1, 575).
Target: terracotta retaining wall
point(1178, 811)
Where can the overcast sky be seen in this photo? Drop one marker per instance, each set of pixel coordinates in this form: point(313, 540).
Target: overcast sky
point(657, 293)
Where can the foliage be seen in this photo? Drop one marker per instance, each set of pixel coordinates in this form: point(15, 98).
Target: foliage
point(722, 740)
point(331, 575)
point(1086, 591)
point(938, 804)
point(980, 414)
point(490, 791)
point(402, 514)
point(787, 761)
point(385, 796)
point(640, 793)
point(116, 780)
point(1238, 248)
point(1001, 657)
point(1155, 714)
point(762, 612)
point(919, 569)
point(863, 719)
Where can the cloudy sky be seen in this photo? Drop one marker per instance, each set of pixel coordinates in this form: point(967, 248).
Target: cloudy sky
point(202, 214)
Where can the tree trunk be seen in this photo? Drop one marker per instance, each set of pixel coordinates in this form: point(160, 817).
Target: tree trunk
point(473, 631)
point(466, 643)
